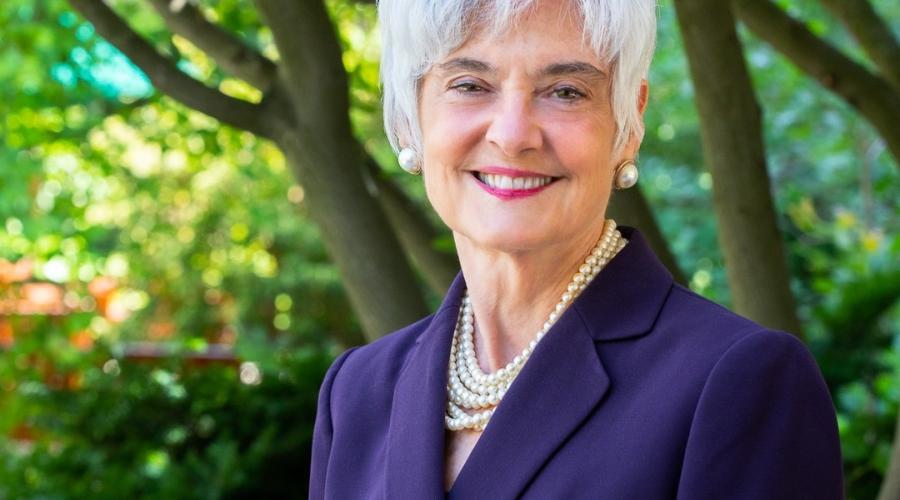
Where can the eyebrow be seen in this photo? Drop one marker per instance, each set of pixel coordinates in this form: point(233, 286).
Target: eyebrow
point(466, 64)
point(576, 68)
point(568, 68)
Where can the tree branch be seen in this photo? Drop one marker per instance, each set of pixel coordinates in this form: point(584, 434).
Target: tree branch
point(415, 231)
point(630, 208)
point(165, 75)
point(311, 67)
point(733, 148)
point(872, 33)
point(874, 97)
point(890, 487)
point(229, 52)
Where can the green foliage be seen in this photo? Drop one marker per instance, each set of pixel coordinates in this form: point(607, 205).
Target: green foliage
point(169, 431)
point(202, 231)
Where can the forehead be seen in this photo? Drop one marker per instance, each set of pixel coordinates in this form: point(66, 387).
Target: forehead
point(548, 35)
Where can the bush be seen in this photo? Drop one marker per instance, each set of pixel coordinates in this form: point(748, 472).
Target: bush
point(170, 430)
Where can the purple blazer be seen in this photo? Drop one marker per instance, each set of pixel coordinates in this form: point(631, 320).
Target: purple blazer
point(641, 390)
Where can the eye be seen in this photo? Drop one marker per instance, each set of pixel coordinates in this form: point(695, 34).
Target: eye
point(466, 88)
point(568, 93)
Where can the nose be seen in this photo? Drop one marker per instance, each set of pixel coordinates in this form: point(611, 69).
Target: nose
point(514, 128)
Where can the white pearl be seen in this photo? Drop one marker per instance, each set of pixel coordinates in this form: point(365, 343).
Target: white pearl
point(472, 389)
point(627, 176)
point(407, 160)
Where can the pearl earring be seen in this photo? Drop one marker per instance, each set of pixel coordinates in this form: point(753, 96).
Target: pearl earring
point(408, 162)
point(626, 175)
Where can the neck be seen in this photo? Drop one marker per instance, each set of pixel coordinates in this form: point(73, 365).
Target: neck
point(513, 293)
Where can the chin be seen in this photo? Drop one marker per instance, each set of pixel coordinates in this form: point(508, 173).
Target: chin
point(509, 239)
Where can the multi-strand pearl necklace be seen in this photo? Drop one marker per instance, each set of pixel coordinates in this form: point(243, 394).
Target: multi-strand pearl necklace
point(468, 388)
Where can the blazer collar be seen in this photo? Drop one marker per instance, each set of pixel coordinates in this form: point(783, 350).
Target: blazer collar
point(625, 298)
point(415, 447)
point(546, 402)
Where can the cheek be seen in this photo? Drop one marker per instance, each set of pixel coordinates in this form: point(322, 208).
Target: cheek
point(449, 136)
point(585, 149)
point(448, 142)
point(444, 145)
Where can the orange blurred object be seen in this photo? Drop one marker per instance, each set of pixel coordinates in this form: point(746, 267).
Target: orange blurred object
point(7, 337)
point(227, 336)
point(41, 298)
point(23, 432)
point(82, 340)
point(160, 330)
point(102, 288)
point(116, 309)
point(11, 272)
point(74, 381)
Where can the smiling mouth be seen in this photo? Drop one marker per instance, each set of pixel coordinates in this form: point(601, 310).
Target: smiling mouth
point(507, 183)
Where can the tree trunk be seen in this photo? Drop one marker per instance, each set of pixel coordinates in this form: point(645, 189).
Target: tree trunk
point(329, 163)
point(374, 270)
point(630, 208)
point(731, 130)
point(438, 268)
point(890, 487)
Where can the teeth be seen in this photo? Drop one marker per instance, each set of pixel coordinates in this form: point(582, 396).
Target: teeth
point(505, 182)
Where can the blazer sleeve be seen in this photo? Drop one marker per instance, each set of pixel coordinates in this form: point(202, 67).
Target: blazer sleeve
point(764, 427)
point(323, 430)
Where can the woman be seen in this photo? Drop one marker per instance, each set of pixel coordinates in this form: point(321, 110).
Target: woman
point(564, 362)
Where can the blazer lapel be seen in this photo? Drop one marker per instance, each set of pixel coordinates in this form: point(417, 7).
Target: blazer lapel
point(564, 381)
point(626, 297)
point(558, 388)
point(415, 448)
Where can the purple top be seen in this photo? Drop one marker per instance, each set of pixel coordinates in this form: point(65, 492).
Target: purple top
point(642, 389)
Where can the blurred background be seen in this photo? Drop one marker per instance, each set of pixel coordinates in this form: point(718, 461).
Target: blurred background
point(198, 205)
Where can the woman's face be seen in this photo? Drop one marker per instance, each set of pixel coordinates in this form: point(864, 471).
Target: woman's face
point(518, 135)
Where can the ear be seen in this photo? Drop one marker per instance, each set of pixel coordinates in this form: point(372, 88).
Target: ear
point(634, 142)
point(643, 96)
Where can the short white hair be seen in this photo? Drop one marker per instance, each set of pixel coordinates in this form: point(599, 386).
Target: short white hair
point(416, 34)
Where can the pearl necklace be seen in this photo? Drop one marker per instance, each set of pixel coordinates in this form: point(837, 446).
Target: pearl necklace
point(468, 388)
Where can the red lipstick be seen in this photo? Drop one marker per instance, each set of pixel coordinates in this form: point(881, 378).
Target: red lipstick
point(510, 193)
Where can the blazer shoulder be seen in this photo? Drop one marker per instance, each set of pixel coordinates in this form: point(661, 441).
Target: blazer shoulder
point(706, 333)
point(694, 318)
point(765, 398)
point(379, 362)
